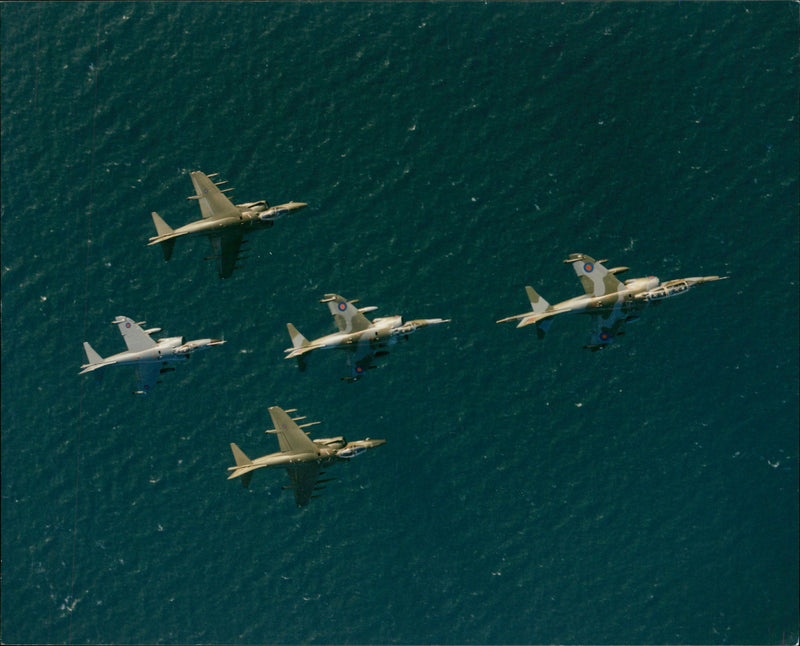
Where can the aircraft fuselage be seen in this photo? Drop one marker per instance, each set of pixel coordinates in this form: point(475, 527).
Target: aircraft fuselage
point(629, 294)
point(166, 350)
point(252, 215)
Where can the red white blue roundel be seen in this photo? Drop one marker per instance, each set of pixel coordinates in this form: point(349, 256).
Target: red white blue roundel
point(342, 307)
point(588, 268)
point(604, 336)
point(359, 369)
point(128, 324)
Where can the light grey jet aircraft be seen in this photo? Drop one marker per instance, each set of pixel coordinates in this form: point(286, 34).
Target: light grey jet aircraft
point(302, 457)
point(363, 339)
point(149, 357)
point(224, 223)
point(610, 301)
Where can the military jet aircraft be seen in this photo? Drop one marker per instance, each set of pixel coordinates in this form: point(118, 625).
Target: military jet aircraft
point(224, 223)
point(302, 457)
point(149, 357)
point(611, 301)
point(363, 339)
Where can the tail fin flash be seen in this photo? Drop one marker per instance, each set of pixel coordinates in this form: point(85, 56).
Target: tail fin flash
point(91, 355)
point(298, 340)
point(163, 229)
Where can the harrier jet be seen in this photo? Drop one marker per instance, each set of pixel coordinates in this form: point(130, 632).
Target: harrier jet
point(363, 339)
point(302, 457)
point(224, 223)
point(149, 357)
point(610, 301)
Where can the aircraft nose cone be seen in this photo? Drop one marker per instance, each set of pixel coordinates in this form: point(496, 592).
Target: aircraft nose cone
point(296, 206)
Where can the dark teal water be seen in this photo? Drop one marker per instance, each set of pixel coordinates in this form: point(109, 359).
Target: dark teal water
point(529, 491)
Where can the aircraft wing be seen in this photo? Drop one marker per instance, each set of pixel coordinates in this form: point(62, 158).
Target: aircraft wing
point(303, 478)
point(134, 336)
point(595, 278)
point(348, 317)
point(147, 376)
point(226, 251)
point(213, 203)
point(360, 360)
point(609, 324)
point(291, 437)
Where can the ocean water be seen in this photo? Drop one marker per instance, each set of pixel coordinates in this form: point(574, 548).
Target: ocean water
point(451, 153)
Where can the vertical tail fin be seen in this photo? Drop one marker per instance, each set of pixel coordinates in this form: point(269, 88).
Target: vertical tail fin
point(162, 229)
point(91, 355)
point(242, 461)
point(538, 304)
point(298, 340)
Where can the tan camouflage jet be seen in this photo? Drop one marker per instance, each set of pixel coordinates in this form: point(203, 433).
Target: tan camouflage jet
point(302, 457)
point(224, 223)
point(363, 339)
point(611, 301)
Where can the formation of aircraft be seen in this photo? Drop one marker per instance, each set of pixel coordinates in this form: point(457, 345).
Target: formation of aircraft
point(223, 223)
point(612, 302)
point(302, 457)
point(150, 358)
point(364, 340)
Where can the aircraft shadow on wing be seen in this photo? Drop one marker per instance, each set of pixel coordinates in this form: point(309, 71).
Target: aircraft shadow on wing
point(611, 302)
point(303, 458)
point(224, 223)
point(362, 339)
point(151, 358)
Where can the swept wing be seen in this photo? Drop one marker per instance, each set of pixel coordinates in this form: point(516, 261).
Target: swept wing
point(608, 324)
point(226, 251)
point(213, 203)
point(595, 278)
point(291, 437)
point(346, 315)
point(147, 376)
point(304, 479)
point(134, 336)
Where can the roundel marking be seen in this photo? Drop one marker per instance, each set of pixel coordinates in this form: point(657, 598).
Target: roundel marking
point(342, 307)
point(588, 268)
point(128, 324)
point(359, 369)
point(604, 336)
